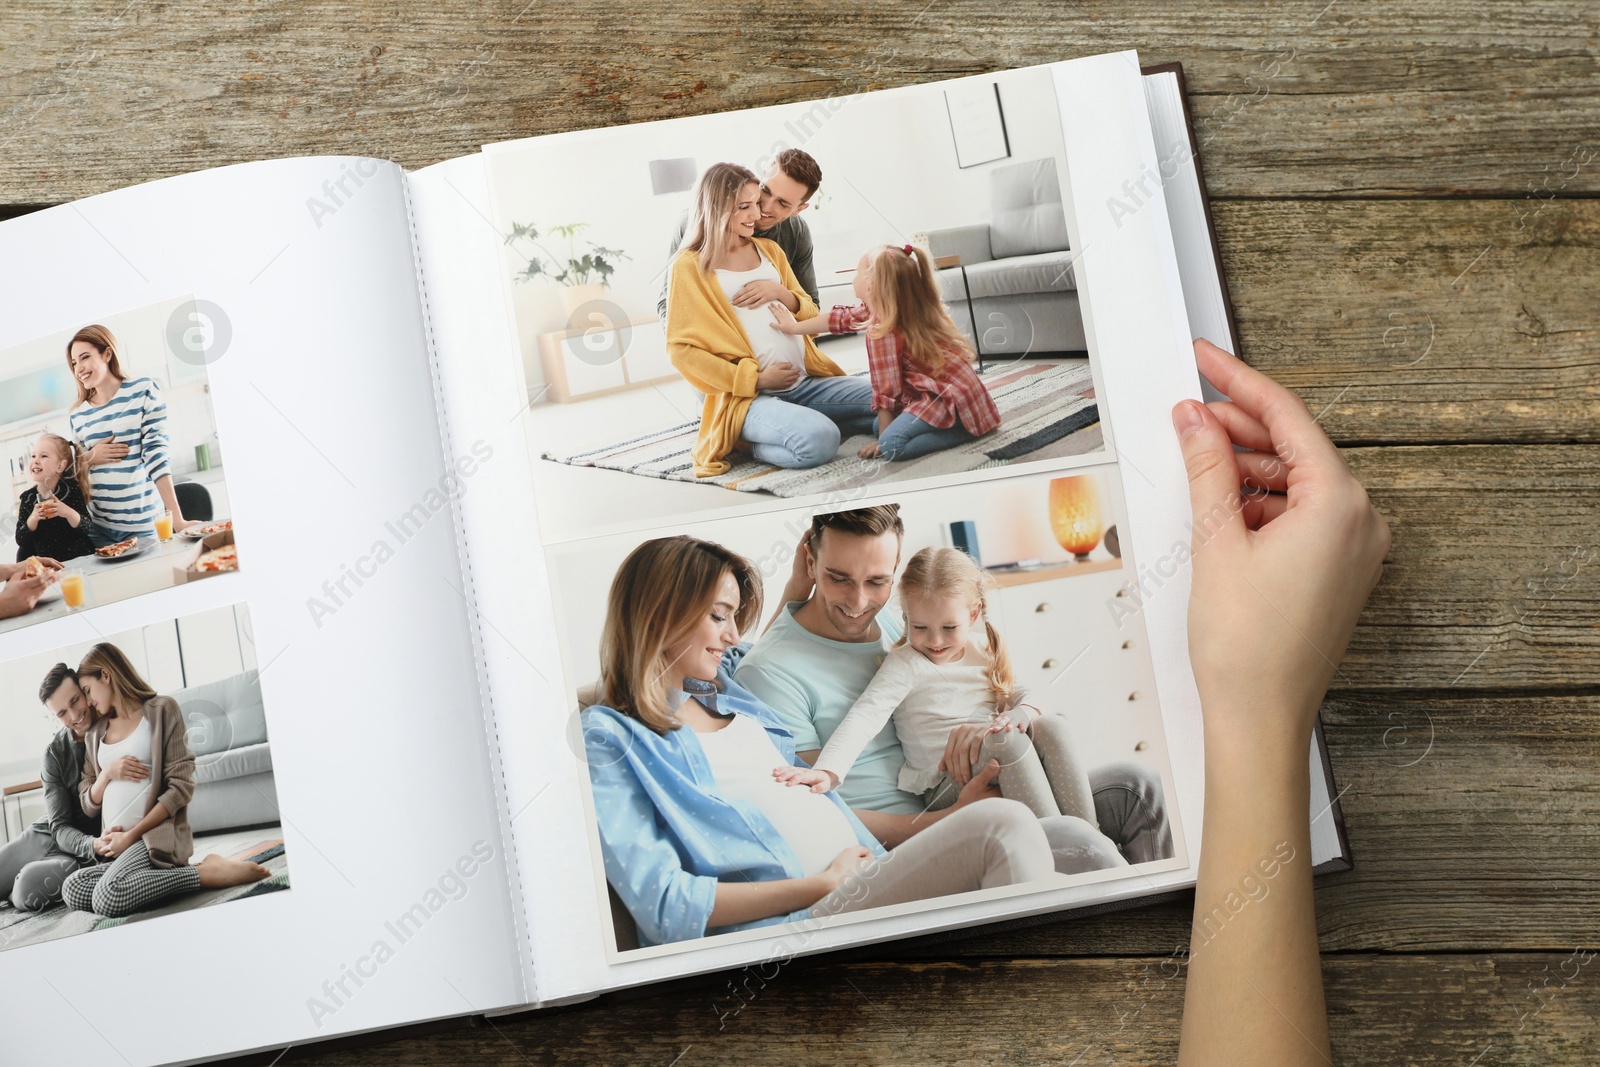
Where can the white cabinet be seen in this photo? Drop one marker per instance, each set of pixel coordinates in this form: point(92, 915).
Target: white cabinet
point(603, 358)
point(1060, 629)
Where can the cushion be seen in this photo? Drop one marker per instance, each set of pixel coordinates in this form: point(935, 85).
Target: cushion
point(1028, 216)
point(1047, 272)
point(224, 714)
point(234, 763)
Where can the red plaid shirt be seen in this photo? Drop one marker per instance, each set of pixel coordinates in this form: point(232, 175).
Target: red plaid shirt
point(901, 385)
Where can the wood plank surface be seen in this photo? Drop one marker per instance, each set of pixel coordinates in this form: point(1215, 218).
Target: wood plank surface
point(1430, 321)
point(1422, 1010)
point(1307, 99)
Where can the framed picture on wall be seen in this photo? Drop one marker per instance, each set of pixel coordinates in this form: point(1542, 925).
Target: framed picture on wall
point(978, 123)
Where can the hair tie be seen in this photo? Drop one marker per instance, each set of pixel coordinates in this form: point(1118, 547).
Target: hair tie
point(908, 250)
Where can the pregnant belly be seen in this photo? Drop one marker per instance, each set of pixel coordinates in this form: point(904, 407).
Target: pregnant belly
point(123, 804)
point(813, 826)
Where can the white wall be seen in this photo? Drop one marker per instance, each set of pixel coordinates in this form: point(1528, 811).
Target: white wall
point(1010, 516)
point(170, 655)
point(889, 171)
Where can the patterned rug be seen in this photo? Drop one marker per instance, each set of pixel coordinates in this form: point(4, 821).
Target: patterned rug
point(19, 928)
point(1047, 410)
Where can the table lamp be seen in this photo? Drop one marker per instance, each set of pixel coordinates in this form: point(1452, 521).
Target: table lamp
point(1075, 514)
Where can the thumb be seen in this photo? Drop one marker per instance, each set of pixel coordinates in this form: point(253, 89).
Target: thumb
point(1213, 472)
point(988, 772)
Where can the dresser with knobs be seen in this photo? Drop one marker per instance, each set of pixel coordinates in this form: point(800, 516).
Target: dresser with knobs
point(1060, 627)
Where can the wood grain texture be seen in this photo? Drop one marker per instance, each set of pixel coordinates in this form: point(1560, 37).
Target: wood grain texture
point(1309, 99)
point(1493, 577)
point(1430, 321)
point(1424, 1010)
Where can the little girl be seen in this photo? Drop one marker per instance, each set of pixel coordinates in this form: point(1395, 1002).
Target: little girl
point(924, 389)
point(938, 678)
point(51, 518)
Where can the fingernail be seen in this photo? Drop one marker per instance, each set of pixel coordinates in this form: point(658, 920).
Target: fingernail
point(1186, 418)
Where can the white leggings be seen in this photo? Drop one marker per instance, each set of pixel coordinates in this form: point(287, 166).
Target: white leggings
point(991, 843)
point(1039, 768)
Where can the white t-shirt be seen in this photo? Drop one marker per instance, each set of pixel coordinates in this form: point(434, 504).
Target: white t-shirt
point(742, 759)
point(124, 802)
point(926, 700)
point(768, 345)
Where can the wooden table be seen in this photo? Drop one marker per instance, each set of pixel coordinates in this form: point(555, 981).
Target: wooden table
point(1408, 216)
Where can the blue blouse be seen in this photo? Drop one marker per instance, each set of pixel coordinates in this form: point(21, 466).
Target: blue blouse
point(667, 836)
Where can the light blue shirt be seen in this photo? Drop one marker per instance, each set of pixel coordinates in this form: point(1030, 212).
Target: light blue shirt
point(811, 682)
point(668, 836)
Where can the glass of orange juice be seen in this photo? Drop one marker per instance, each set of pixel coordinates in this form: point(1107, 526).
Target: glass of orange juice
point(72, 588)
point(164, 526)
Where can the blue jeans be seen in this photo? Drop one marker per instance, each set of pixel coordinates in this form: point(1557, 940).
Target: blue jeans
point(909, 437)
point(803, 427)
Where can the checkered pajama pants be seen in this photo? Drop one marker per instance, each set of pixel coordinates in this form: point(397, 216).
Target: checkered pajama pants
point(127, 884)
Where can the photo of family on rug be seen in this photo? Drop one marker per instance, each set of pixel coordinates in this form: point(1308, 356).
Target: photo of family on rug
point(148, 801)
point(894, 729)
point(822, 321)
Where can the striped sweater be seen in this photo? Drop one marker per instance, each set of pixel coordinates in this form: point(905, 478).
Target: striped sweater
point(124, 500)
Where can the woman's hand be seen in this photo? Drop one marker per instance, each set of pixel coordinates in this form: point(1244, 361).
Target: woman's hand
point(108, 451)
point(125, 769)
point(868, 450)
point(102, 844)
point(777, 377)
point(116, 842)
point(819, 781)
point(1279, 575)
point(752, 295)
point(961, 749)
point(845, 866)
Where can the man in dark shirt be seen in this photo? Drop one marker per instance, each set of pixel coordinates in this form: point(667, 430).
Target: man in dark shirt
point(33, 866)
point(785, 194)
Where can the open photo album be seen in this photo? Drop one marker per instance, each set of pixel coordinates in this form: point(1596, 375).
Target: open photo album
point(667, 549)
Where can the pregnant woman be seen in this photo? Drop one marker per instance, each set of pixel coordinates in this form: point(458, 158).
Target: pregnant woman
point(138, 775)
point(697, 835)
point(773, 393)
point(121, 424)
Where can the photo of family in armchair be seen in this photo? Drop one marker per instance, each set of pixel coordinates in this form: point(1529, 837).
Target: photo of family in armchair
point(758, 302)
point(114, 474)
point(141, 785)
point(864, 711)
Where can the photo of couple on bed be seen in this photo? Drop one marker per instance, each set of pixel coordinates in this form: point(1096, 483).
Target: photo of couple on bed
point(148, 800)
point(820, 319)
point(866, 727)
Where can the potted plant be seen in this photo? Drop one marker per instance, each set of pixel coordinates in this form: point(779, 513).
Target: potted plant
point(582, 272)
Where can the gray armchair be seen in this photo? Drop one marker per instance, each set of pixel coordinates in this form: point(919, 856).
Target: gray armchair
point(233, 781)
point(1018, 269)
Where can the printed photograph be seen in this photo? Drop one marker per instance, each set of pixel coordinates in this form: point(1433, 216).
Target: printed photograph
point(796, 301)
point(802, 716)
point(114, 468)
point(137, 779)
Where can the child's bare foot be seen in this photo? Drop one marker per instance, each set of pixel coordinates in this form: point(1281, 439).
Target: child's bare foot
point(217, 872)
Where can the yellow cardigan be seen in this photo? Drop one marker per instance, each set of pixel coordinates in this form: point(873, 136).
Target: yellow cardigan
point(710, 349)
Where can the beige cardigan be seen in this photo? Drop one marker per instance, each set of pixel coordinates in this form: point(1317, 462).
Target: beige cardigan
point(171, 780)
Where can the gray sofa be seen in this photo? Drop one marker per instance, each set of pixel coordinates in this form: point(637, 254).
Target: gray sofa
point(233, 779)
point(1024, 294)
